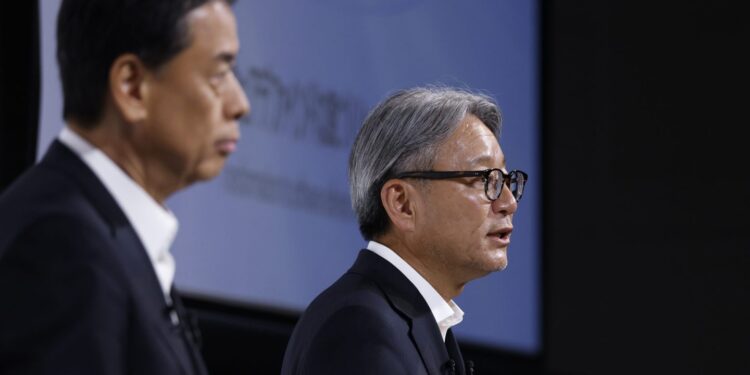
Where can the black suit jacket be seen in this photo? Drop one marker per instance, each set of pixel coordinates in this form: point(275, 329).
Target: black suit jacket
point(371, 321)
point(78, 293)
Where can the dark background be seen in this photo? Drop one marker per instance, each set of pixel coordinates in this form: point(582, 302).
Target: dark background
point(646, 186)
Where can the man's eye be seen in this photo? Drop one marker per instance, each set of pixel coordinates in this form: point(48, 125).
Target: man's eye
point(476, 181)
point(218, 80)
point(222, 74)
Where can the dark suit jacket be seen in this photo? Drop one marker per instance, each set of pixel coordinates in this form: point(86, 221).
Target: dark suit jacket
point(371, 321)
point(78, 293)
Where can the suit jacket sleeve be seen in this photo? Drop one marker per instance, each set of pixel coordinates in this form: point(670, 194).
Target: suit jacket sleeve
point(66, 304)
point(354, 340)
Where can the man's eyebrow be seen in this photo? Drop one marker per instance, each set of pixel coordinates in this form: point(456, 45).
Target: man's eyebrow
point(484, 160)
point(227, 57)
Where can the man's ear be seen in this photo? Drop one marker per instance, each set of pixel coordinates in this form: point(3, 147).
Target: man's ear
point(399, 198)
point(128, 87)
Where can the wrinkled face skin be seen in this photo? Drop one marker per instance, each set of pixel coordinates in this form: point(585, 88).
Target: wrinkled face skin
point(195, 99)
point(462, 233)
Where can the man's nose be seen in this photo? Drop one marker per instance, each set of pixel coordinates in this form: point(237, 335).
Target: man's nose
point(237, 104)
point(505, 204)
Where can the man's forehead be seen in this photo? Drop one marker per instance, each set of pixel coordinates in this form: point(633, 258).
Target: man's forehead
point(214, 23)
point(472, 145)
point(487, 160)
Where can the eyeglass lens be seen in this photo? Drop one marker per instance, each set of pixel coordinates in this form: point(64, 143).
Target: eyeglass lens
point(514, 181)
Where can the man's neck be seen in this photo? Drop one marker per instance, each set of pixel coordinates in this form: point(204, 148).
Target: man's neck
point(441, 282)
point(115, 142)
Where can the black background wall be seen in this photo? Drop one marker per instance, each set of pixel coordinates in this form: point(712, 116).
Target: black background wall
point(19, 88)
point(646, 187)
point(645, 193)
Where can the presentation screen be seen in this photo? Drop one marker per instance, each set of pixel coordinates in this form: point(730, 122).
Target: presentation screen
point(277, 227)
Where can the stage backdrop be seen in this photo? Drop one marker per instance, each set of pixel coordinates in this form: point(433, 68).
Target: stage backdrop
point(277, 227)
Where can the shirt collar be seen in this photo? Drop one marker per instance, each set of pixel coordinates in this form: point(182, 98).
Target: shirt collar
point(154, 224)
point(447, 314)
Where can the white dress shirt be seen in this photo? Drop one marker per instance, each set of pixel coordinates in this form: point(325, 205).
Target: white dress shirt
point(447, 314)
point(154, 224)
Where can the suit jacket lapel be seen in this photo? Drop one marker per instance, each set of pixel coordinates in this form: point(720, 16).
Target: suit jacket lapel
point(427, 338)
point(454, 352)
point(406, 299)
point(145, 284)
point(148, 292)
point(190, 333)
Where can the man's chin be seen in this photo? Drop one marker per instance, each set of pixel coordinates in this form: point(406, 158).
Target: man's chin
point(488, 266)
point(499, 260)
point(502, 266)
point(207, 171)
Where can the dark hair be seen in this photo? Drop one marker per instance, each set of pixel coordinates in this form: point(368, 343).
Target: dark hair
point(404, 133)
point(91, 34)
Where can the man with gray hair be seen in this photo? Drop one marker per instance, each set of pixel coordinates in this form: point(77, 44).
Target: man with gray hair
point(434, 200)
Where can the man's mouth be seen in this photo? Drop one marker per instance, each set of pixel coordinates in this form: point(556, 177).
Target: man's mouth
point(226, 146)
point(502, 234)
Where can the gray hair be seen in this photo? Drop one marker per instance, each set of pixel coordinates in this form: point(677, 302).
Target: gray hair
point(403, 133)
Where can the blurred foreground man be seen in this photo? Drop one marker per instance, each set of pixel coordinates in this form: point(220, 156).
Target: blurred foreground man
point(433, 197)
point(151, 106)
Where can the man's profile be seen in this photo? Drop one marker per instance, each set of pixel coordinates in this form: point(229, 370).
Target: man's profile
point(151, 106)
point(433, 197)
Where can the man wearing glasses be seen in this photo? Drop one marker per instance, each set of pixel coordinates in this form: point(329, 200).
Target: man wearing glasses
point(432, 196)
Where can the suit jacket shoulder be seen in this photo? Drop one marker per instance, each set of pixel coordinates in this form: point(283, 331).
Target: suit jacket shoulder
point(371, 321)
point(85, 297)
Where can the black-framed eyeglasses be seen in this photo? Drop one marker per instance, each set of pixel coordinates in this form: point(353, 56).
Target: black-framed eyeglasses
point(493, 179)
